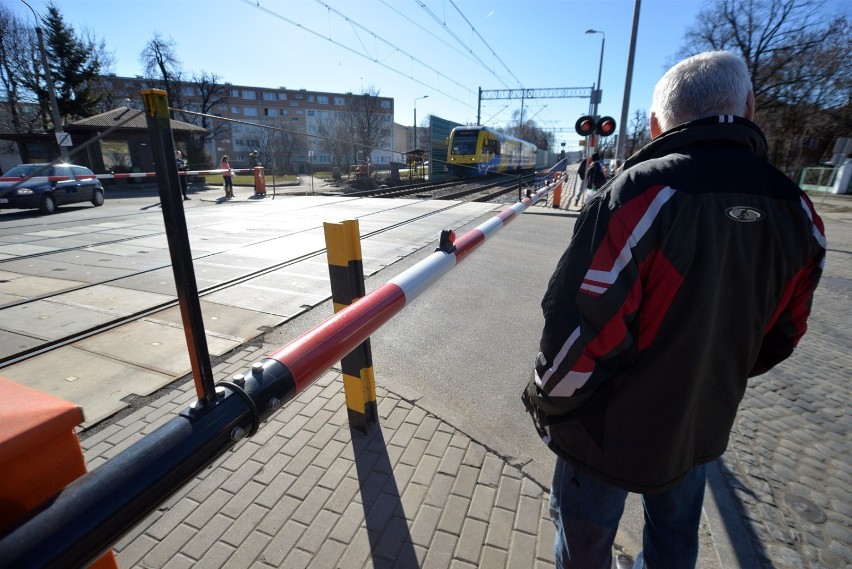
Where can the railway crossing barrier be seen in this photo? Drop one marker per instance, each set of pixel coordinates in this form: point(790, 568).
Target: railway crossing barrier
point(80, 523)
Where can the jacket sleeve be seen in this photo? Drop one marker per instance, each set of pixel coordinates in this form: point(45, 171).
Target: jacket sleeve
point(790, 321)
point(590, 304)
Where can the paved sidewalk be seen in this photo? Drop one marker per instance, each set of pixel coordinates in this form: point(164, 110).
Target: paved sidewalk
point(418, 492)
point(305, 491)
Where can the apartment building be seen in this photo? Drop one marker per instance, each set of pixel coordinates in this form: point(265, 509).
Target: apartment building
point(290, 128)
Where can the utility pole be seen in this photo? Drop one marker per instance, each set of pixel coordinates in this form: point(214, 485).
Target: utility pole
point(63, 139)
point(622, 131)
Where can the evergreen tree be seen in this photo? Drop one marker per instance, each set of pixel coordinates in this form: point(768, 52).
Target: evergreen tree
point(75, 66)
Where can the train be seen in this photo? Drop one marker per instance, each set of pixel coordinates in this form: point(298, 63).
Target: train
point(480, 151)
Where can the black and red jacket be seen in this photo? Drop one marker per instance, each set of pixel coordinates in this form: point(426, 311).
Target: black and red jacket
point(693, 270)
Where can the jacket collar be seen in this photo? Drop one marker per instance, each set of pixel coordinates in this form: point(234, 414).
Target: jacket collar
point(723, 128)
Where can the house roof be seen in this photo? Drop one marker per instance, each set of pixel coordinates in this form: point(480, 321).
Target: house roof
point(135, 121)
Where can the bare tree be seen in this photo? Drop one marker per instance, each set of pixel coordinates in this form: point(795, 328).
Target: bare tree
point(212, 94)
point(367, 121)
point(161, 64)
point(15, 35)
point(530, 131)
point(335, 138)
point(799, 65)
point(639, 135)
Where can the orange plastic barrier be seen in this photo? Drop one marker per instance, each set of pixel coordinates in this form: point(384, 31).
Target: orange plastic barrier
point(39, 453)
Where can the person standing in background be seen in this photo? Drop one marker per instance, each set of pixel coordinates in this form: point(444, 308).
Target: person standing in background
point(181, 166)
point(226, 175)
point(254, 162)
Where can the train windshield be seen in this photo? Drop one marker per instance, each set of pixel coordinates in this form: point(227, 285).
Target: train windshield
point(464, 142)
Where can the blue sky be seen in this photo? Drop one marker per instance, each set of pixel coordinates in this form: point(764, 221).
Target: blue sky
point(405, 49)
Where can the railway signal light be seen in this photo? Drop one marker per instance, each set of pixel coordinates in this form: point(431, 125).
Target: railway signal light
point(588, 125)
point(446, 244)
point(585, 125)
point(605, 126)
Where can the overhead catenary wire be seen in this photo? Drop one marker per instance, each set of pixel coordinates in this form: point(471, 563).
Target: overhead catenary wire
point(256, 4)
point(494, 53)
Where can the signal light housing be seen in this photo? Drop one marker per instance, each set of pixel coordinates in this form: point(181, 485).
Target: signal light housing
point(588, 125)
point(448, 237)
point(605, 126)
point(585, 125)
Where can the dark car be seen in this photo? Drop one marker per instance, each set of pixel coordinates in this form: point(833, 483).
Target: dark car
point(30, 186)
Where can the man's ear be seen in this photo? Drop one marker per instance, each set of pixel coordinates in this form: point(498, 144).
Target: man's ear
point(750, 106)
point(655, 126)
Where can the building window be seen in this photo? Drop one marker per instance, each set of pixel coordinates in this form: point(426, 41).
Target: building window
point(235, 110)
point(310, 98)
point(338, 101)
point(116, 154)
point(282, 96)
point(250, 112)
point(300, 112)
point(322, 99)
point(294, 104)
point(267, 96)
point(284, 112)
point(300, 96)
point(310, 113)
point(250, 95)
point(235, 92)
point(386, 104)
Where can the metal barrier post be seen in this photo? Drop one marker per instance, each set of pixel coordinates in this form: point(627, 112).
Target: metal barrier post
point(171, 199)
point(346, 272)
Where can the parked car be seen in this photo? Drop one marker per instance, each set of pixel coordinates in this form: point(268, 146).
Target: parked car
point(31, 186)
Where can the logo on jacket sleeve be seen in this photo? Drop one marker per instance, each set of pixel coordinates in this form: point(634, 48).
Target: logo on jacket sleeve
point(744, 213)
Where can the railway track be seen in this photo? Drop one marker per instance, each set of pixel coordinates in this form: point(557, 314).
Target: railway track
point(45, 346)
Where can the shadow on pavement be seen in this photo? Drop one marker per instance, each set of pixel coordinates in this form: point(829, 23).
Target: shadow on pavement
point(384, 516)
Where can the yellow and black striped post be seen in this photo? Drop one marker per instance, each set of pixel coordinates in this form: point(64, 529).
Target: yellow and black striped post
point(346, 271)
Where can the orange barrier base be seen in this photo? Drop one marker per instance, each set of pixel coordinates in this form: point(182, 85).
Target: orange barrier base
point(39, 453)
point(557, 195)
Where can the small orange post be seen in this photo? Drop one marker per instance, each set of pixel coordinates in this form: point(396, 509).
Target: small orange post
point(39, 453)
point(557, 195)
point(259, 181)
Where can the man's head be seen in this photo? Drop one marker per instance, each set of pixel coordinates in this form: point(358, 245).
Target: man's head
point(596, 156)
point(708, 84)
point(178, 154)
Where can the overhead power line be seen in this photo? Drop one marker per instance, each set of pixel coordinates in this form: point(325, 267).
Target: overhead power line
point(256, 4)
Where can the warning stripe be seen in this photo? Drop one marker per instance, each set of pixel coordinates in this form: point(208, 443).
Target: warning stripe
point(127, 175)
point(316, 351)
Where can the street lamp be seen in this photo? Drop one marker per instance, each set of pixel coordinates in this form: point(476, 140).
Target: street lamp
point(598, 95)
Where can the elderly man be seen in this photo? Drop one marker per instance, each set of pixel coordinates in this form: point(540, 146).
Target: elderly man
point(693, 270)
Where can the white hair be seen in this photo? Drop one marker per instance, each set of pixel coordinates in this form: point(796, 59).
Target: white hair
point(704, 85)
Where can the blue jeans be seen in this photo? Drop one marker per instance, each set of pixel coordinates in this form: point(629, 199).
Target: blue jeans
point(586, 513)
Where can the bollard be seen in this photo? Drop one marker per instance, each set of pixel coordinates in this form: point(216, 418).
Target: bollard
point(557, 195)
point(346, 272)
point(259, 181)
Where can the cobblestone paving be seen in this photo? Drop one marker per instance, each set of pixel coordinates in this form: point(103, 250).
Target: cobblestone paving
point(789, 458)
point(306, 492)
